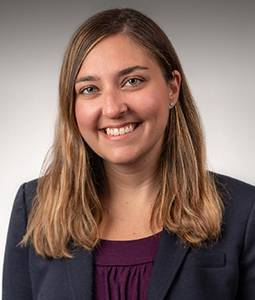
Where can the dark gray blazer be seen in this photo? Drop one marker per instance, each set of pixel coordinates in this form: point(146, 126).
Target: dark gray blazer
point(224, 271)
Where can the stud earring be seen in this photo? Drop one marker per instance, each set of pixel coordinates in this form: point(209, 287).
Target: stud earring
point(171, 105)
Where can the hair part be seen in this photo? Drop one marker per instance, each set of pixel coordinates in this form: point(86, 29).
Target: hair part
point(67, 207)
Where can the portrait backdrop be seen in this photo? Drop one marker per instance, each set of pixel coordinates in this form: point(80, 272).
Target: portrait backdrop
point(215, 43)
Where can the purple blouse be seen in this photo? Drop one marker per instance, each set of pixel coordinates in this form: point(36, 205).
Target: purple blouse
point(122, 269)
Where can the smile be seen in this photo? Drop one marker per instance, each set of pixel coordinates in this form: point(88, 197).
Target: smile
point(121, 130)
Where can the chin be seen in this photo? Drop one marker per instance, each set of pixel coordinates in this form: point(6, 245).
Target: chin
point(121, 160)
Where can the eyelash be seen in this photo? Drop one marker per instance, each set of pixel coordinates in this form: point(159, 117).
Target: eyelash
point(132, 78)
point(136, 78)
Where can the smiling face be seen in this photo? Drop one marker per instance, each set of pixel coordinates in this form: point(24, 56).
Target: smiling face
point(122, 101)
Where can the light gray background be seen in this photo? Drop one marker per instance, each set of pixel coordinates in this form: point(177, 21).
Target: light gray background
point(215, 43)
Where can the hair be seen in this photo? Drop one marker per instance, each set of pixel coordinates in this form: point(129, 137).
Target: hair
point(67, 207)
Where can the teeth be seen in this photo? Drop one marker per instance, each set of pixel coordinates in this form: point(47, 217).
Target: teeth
point(119, 131)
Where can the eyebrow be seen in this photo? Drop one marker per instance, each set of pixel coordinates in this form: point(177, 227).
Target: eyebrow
point(120, 73)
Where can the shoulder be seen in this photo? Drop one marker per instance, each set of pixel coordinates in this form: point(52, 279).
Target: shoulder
point(235, 193)
point(26, 194)
point(31, 186)
point(233, 185)
point(233, 188)
point(238, 198)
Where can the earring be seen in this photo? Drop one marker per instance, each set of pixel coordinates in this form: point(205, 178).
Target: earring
point(170, 105)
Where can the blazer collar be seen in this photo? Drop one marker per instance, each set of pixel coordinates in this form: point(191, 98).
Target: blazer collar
point(80, 274)
point(168, 260)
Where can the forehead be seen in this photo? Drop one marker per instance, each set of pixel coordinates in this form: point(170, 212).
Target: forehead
point(116, 52)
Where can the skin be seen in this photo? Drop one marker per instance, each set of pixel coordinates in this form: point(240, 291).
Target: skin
point(110, 100)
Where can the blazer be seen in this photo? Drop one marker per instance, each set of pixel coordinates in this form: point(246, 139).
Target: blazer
point(225, 270)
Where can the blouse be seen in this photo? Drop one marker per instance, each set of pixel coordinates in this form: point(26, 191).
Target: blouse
point(122, 269)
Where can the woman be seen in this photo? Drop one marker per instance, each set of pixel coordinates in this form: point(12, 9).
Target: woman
point(126, 208)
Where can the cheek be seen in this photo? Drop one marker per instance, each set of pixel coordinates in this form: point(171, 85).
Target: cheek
point(154, 106)
point(86, 117)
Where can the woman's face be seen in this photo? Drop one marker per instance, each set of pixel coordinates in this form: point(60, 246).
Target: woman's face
point(122, 101)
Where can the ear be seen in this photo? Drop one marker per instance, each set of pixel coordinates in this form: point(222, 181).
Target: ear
point(174, 87)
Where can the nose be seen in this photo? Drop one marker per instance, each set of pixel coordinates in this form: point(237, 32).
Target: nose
point(113, 105)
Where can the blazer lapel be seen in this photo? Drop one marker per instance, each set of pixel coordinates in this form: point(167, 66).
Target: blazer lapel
point(80, 272)
point(168, 260)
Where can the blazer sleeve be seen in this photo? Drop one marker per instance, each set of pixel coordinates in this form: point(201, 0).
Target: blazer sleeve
point(16, 279)
point(247, 261)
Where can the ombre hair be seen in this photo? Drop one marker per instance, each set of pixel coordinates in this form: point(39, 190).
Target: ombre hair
point(67, 206)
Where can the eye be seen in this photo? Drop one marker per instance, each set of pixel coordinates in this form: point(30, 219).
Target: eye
point(134, 81)
point(88, 90)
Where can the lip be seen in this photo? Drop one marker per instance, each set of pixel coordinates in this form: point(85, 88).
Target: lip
point(118, 125)
point(122, 136)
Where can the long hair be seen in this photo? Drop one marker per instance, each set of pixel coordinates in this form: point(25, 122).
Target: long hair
point(67, 205)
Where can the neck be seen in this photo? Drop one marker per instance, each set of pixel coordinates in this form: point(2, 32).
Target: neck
point(129, 199)
point(129, 183)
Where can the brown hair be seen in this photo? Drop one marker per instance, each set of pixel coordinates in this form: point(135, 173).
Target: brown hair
point(67, 206)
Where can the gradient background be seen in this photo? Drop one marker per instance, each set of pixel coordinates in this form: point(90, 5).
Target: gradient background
point(215, 43)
